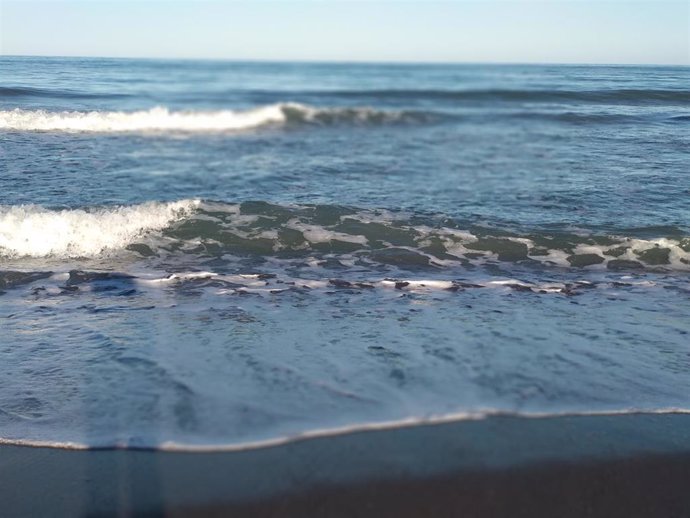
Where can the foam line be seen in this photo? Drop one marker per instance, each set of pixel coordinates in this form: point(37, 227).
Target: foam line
point(405, 422)
point(162, 119)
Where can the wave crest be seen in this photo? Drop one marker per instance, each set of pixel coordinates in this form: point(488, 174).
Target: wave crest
point(320, 233)
point(163, 119)
point(33, 231)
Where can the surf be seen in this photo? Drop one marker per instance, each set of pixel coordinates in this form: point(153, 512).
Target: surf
point(163, 119)
point(35, 231)
point(324, 234)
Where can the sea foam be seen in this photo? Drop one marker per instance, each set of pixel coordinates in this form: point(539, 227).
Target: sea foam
point(161, 119)
point(359, 237)
point(30, 230)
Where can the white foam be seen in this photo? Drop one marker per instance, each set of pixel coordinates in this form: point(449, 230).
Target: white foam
point(163, 119)
point(155, 119)
point(319, 234)
point(33, 231)
point(256, 284)
point(416, 285)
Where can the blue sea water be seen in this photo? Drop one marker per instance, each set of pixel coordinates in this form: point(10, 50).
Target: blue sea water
point(209, 253)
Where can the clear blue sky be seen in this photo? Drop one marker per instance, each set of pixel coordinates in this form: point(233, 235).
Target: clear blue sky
point(562, 31)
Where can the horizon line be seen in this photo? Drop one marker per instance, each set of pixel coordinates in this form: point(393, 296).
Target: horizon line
point(337, 61)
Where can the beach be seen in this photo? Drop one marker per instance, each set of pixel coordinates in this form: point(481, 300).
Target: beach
point(620, 465)
point(343, 289)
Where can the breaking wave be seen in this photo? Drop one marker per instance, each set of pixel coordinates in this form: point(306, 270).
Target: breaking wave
point(347, 236)
point(34, 231)
point(163, 119)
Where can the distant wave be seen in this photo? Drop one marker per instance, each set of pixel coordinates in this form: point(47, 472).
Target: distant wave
point(608, 96)
point(25, 91)
point(376, 238)
point(163, 119)
point(623, 96)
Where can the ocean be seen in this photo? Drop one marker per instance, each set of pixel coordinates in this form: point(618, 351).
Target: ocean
point(215, 255)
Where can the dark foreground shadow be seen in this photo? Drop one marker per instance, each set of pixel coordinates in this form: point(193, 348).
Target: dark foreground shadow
point(594, 466)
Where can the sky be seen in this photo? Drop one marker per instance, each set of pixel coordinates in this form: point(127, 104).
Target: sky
point(511, 31)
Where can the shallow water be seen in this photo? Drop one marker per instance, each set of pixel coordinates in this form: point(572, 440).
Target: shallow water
point(213, 253)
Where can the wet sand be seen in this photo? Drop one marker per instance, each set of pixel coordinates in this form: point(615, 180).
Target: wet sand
point(618, 465)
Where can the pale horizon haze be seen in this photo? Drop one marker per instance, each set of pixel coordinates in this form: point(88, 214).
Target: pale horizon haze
point(574, 31)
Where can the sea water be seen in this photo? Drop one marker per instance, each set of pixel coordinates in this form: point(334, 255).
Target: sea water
point(202, 254)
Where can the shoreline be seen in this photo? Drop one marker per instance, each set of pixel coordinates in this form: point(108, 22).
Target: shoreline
point(329, 432)
point(605, 465)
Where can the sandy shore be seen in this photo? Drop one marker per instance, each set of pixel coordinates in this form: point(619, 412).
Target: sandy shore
point(621, 465)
